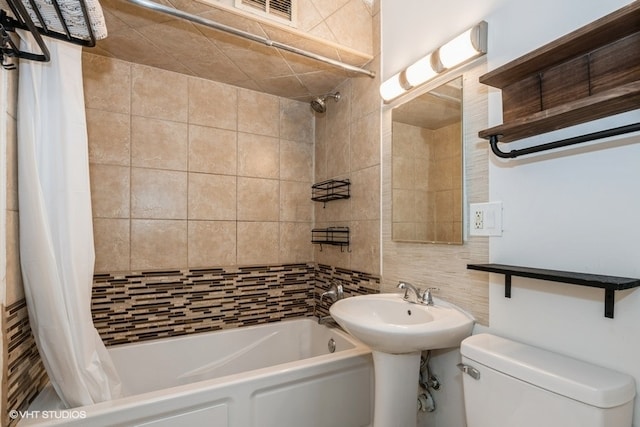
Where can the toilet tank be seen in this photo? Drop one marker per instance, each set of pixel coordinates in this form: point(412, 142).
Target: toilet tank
point(518, 385)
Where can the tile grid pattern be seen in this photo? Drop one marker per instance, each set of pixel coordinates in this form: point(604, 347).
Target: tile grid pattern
point(26, 375)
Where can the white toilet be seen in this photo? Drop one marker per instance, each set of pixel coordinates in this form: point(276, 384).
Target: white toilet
point(509, 384)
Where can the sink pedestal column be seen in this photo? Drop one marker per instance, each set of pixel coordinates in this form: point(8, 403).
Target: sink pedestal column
point(396, 389)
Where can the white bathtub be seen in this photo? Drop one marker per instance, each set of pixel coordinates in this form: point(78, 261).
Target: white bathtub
point(280, 375)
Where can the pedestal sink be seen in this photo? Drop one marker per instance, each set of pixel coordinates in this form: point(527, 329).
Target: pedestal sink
point(397, 331)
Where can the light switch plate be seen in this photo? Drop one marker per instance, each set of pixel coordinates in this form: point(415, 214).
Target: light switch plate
point(485, 219)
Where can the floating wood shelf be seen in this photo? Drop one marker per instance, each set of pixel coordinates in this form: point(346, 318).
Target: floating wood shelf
point(591, 73)
point(610, 284)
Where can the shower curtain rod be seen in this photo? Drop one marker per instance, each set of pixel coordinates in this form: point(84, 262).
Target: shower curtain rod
point(148, 4)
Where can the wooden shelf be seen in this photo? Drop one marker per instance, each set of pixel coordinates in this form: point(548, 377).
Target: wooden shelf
point(609, 283)
point(591, 73)
point(613, 101)
point(612, 27)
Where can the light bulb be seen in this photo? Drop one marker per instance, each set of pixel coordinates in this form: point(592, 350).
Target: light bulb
point(392, 88)
point(420, 71)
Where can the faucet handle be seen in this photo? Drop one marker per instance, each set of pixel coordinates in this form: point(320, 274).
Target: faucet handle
point(427, 297)
point(335, 292)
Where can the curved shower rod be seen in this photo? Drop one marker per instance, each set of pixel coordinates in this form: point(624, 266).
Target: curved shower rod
point(148, 4)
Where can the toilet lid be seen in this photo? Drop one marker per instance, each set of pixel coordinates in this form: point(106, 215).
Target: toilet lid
point(573, 378)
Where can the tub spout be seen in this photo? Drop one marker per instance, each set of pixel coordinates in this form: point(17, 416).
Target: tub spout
point(334, 293)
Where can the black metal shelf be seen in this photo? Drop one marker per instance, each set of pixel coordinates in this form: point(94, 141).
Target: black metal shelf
point(335, 236)
point(331, 189)
point(610, 284)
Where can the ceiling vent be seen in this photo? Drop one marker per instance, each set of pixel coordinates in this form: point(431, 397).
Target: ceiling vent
point(279, 10)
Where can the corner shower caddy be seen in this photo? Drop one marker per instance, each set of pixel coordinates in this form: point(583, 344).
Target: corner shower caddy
point(326, 191)
point(334, 236)
point(610, 284)
point(591, 73)
point(331, 189)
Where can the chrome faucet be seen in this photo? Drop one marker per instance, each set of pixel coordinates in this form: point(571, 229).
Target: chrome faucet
point(335, 293)
point(419, 297)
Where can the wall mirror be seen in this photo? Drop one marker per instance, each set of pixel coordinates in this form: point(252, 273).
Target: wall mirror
point(427, 173)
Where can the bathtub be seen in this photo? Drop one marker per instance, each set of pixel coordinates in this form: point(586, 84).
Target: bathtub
point(280, 374)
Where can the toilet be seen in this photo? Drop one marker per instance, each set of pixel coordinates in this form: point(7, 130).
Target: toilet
point(509, 384)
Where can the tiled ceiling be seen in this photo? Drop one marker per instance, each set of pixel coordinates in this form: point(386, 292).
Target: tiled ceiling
point(152, 38)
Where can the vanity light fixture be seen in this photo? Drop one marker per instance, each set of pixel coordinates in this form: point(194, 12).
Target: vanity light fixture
point(466, 46)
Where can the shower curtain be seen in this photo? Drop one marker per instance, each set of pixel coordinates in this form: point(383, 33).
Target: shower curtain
point(56, 235)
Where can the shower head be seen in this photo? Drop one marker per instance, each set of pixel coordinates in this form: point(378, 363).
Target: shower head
point(318, 104)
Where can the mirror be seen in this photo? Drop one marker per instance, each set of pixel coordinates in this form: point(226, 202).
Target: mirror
point(427, 167)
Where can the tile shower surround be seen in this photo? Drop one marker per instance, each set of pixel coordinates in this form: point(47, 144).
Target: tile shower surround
point(148, 305)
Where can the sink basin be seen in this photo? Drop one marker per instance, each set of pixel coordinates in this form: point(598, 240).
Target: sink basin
point(389, 324)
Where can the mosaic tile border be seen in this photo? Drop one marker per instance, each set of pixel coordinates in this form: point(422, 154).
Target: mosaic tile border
point(353, 283)
point(26, 375)
point(155, 304)
point(148, 305)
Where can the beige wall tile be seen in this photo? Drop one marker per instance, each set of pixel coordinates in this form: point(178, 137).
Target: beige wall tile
point(364, 142)
point(213, 104)
point(159, 94)
point(366, 94)
point(328, 7)
point(296, 161)
point(158, 194)
point(295, 202)
point(257, 113)
point(336, 210)
point(365, 194)
point(352, 25)
point(320, 150)
point(338, 152)
point(112, 244)
point(212, 243)
point(109, 137)
point(258, 156)
point(403, 173)
point(107, 83)
point(159, 144)
point(296, 121)
point(212, 150)
point(110, 191)
point(258, 243)
point(295, 242)
point(258, 199)
point(212, 197)
point(158, 244)
point(365, 246)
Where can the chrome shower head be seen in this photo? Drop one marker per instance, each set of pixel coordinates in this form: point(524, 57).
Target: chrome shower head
point(319, 105)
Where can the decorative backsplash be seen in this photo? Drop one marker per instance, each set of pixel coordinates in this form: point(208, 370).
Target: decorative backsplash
point(25, 372)
point(353, 282)
point(155, 304)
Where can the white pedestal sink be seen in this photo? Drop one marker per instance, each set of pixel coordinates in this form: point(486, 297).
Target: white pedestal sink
point(398, 331)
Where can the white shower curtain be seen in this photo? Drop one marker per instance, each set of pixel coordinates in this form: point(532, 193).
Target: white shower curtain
point(56, 235)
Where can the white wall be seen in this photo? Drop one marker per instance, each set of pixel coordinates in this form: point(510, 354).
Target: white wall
point(572, 210)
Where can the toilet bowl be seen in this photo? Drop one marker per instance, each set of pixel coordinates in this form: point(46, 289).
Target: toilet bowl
point(509, 384)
